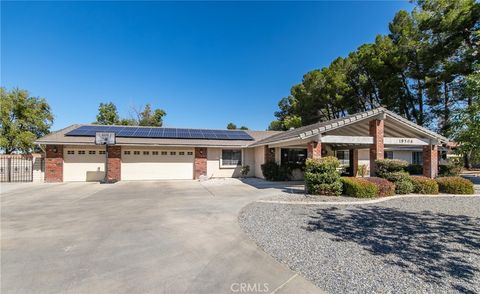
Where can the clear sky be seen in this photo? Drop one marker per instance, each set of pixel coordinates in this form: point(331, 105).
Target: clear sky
point(205, 63)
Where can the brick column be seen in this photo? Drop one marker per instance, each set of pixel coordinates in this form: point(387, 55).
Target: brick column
point(354, 161)
point(430, 161)
point(114, 163)
point(314, 150)
point(377, 149)
point(269, 154)
point(54, 163)
point(200, 162)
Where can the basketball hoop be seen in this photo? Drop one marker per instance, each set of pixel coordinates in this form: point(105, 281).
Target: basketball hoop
point(104, 138)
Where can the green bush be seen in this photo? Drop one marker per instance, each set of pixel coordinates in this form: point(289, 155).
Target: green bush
point(414, 169)
point(359, 187)
point(455, 185)
point(424, 185)
point(322, 176)
point(386, 166)
point(449, 170)
point(402, 181)
point(274, 172)
point(385, 187)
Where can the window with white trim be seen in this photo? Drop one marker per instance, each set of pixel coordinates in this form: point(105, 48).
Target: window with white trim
point(146, 152)
point(164, 153)
point(154, 152)
point(136, 152)
point(181, 153)
point(92, 152)
point(190, 153)
point(81, 152)
point(101, 152)
point(173, 153)
point(388, 154)
point(417, 157)
point(70, 152)
point(126, 152)
point(231, 157)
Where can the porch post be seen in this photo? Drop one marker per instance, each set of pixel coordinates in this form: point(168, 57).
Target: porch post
point(354, 161)
point(377, 149)
point(269, 154)
point(430, 161)
point(314, 149)
point(54, 163)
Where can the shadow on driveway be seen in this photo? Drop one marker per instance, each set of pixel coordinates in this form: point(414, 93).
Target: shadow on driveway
point(432, 246)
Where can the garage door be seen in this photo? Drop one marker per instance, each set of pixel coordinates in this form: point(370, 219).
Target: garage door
point(157, 164)
point(83, 164)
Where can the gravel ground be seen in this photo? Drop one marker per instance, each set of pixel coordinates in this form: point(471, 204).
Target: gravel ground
point(413, 245)
point(313, 198)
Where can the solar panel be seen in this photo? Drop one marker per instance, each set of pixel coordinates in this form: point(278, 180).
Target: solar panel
point(153, 132)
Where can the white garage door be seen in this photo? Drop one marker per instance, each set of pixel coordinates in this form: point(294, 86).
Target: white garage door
point(157, 164)
point(83, 164)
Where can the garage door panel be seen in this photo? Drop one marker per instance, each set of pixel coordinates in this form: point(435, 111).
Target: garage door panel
point(81, 164)
point(165, 164)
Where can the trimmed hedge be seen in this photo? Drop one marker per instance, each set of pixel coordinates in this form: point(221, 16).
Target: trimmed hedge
point(385, 187)
point(424, 185)
point(359, 187)
point(386, 166)
point(274, 172)
point(449, 170)
point(322, 176)
point(455, 185)
point(414, 169)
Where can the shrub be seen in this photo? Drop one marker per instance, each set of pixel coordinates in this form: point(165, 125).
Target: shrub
point(424, 185)
point(385, 187)
point(245, 170)
point(455, 185)
point(449, 170)
point(359, 187)
point(322, 176)
point(385, 166)
point(274, 172)
point(414, 169)
point(362, 170)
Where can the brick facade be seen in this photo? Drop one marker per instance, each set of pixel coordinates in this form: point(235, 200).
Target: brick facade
point(54, 163)
point(314, 150)
point(377, 148)
point(430, 161)
point(200, 162)
point(269, 154)
point(114, 164)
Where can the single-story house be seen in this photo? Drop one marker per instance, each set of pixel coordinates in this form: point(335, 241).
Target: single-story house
point(147, 153)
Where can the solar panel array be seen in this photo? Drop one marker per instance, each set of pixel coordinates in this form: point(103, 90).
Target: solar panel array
point(171, 133)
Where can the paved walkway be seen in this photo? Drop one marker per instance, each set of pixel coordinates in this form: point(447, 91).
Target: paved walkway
point(135, 237)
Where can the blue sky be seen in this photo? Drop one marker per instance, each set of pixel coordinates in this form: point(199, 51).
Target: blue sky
point(205, 63)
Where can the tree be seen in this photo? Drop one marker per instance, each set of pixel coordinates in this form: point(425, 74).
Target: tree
point(147, 117)
point(107, 114)
point(243, 128)
point(466, 123)
point(231, 126)
point(23, 119)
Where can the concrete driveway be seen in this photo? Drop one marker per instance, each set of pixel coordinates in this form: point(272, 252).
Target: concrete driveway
point(135, 237)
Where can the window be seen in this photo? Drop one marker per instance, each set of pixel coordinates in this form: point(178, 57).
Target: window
point(146, 152)
point(81, 152)
point(388, 154)
point(136, 152)
point(154, 152)
point(190, 153)
point(164, 152)
point(91, 152)
point(293, 156)
point(344, 157)
point(181, 153)
point(417, 157)
point(173, 153)
point(101, 152)
point(126, 152)
point(70, 152)
point(231, 157)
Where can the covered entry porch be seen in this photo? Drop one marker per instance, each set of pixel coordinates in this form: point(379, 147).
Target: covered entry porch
point(361, 139)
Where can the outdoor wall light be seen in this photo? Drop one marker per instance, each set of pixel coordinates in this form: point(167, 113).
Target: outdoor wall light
point(54, 149)
point(324, 152)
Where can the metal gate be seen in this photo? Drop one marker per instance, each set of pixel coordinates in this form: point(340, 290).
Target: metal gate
point(16, 168)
